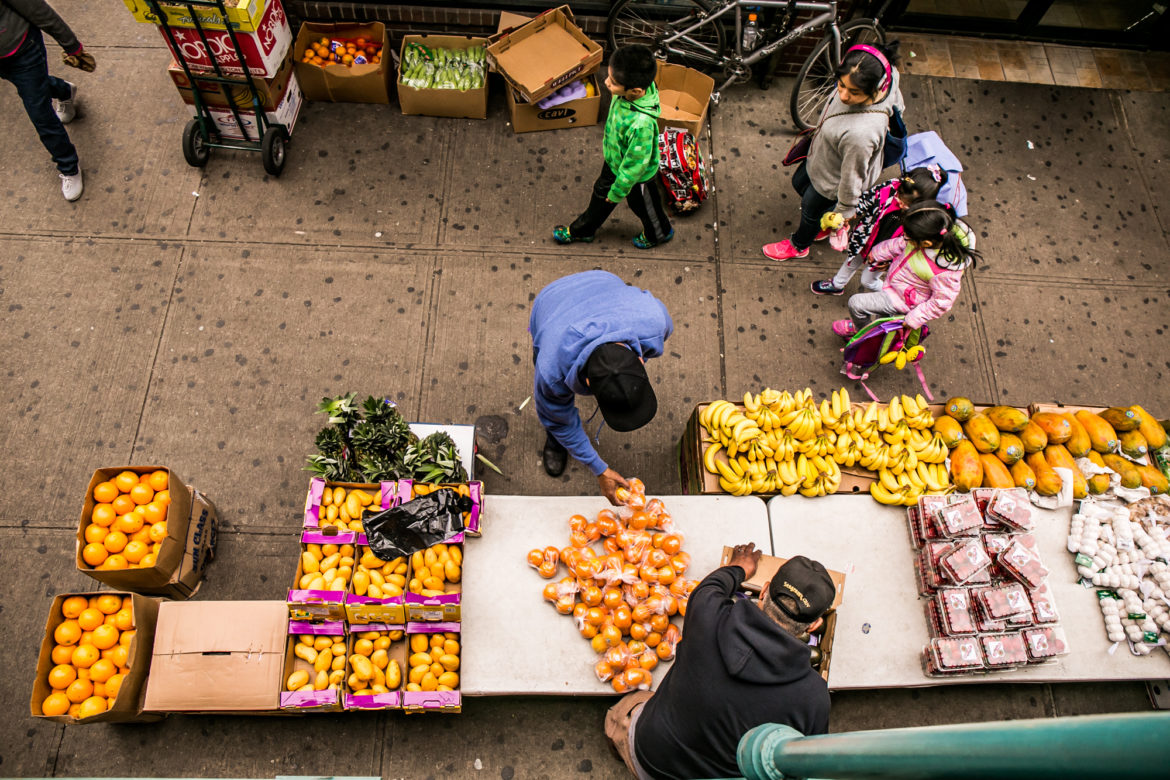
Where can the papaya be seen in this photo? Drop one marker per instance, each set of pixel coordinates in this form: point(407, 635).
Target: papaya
point(1098, 484)
point(1007, 418)
point(1101, 434)
point(1011, 449)
point(982, 433)
point(1048, 482)
point(995, 474)
point(1150, 428)
point(1033, 438)
point(1121, 418)
point(1023, 475)
point(1153, 479)
point(1058, 457)
point(1130, 477)
point(1055, 427)
point(1133, 444)
point(966, 468)
point(1096, 459)
point(960, 408)
point(1078, 445)
point(949, 430)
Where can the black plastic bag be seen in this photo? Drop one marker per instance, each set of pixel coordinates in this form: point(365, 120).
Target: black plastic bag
point(416, 525)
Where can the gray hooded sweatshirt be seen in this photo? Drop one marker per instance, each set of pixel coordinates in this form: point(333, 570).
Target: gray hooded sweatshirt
point(845, 158)
point(16, 16)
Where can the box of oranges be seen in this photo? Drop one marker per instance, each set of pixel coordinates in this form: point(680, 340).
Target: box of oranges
point(343, 63)
point(95, 656)
point(432, 668)
point(143, 530)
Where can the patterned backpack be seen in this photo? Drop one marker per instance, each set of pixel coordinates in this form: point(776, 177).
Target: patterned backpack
point(885, 341)
point(681, 169)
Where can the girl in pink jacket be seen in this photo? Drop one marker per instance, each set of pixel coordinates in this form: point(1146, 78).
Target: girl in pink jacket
point(926, 265)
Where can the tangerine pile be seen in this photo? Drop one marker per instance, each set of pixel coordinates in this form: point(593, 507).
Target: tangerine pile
point(622, 598)
point(91, 655)
point(357, 51)
point(129, 521)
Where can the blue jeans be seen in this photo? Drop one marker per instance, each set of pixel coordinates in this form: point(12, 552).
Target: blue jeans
point(813, 205)
point(28, 69)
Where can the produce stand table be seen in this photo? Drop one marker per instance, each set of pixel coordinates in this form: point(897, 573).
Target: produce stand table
point(516, 643)
point(881, 625)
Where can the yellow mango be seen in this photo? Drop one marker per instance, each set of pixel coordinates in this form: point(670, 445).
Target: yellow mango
point(322, 681)
point(309, 564)
point(355, 683)
point(416, 561)
point(450, 679)
point(413, 686)
point(364, 498)
point(326, 497)
point(393, 675)
point(338, 662)
point(361, 581)
point(429, 682)
point(305, 652)
point(377, 688)
point(382, 643)
point(419, 643)
point(416, 673)
point(452, 571)
point(361, 666)
point(420, 659)
point(297, 680)
point(346, 550)
point(330, 561)
point(318, 583)
point(370, 561)
point(376, 577)
point(328, 549)
point(337, 585)
point(330, 575)
point(397, 579)
point(337, 676)
point(375, 592)
point(449, 662)
point(450, 647)
point(306, 579)
point(456, 554)
point(379, 658)
point(338, 495)
point(331, 513)
point(363, 647)
point(353, 506)
point(324, 661)
point(436, 570)
point(433, 583)
point(307, 639)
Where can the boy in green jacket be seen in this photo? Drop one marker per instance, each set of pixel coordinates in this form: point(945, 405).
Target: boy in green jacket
point(630, 169)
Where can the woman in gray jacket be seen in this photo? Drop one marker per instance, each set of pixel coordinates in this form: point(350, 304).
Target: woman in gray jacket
point(845, 156)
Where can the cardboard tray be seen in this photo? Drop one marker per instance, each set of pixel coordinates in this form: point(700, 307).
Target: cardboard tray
point(434, 701)
point(242, 15)
point(309, 701)
point(397, 652)
point(317, 604)
point(455, 103)
point(545, 54)
point(369, 83)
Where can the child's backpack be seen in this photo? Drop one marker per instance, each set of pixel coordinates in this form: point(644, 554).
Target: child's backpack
point(681, 169)
point(923, 149)
point(885, 341)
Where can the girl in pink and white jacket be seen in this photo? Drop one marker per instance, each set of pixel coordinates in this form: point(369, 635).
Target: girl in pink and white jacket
point(926, 265)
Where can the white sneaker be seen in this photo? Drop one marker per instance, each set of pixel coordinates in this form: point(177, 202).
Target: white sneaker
point(67, 109)
point(71, 186)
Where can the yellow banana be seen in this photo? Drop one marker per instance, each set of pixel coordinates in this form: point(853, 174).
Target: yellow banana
point(889, 357)
point(709, 458)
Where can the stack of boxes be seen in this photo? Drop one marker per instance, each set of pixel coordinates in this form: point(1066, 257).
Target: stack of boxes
point(201, 41)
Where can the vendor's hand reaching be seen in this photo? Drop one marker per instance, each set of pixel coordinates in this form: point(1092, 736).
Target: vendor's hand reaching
point(745, 556)
point(609, 481)
point(82, 60)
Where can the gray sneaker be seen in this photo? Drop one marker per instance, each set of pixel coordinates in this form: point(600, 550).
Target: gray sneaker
point(71, 186)
point(66, 109)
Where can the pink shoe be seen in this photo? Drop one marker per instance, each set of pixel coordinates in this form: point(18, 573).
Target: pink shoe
point(845, 328)
point(783, 250)
point(822, 235)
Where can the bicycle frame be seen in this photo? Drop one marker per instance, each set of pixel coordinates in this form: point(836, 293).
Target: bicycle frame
point(826, 16)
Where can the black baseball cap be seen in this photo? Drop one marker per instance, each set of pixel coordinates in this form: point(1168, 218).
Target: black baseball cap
point(618, 381)
point(802, 589)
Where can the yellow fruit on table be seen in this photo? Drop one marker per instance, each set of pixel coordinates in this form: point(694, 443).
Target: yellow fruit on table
point(63, 654)
point(159, 480)
point(105, 492)
point(126, 481)
point(73, 606)
point(95, 554)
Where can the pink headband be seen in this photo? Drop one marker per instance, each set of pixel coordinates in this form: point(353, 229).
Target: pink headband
point(865, 47)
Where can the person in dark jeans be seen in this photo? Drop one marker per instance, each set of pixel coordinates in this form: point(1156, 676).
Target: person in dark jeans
point(48, 100)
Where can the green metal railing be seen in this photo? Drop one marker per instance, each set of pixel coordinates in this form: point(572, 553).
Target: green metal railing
point(1099, 746)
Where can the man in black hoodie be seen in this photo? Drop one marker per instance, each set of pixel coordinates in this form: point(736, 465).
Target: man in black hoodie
point(739, 665)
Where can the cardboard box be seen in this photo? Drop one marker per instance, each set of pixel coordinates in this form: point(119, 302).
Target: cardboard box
point(367, 610)
point(398, 654)
point(472, 521)
point(466, 104)
point(192, 528)
point(447, 608)
point(271, 91)
point(218, 656)
point(369, 83)
point(309, 701)
point(684, 94)
point(263, 49)
point(528, 117)
point(545, 54)
point(385, 495)
point(309, 604)
point(243, 15)
point(127, 706)
point(286, 113)
point(766, 569)
point(433, 701)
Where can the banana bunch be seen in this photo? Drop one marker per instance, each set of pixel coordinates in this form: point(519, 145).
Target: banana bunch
point(766, 415)
point(835, 412)
point(933, 452)
point(804, 422)
point(905, 487)
point(902, 357)
point(822, 445)
point(726, 423)
point(848, 448)
point(784, 445)
point(821, 475)
point(740, 476)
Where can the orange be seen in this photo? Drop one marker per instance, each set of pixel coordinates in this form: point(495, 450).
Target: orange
point(154, 512)
point(99, 689)
point(95, 554)
point(126, 480)
point(79, 690)
point(108, 603)
point(147, 560)
point(127, 602)
point(163, 497)
point(61, 676)
point(73, 710)
point(102, 670)
point(94, 533)
point(105, 492)
point(142, 536)
point(119, 655)
point(90, 618)
point(115, 563)
point(141, 493)
point(113, 684)
point(62, 654)
point(83, 674)
point(73, 606)
point(127, 637)
point(103, 514)
point(84, 656)
point(56, 703)
point(129, 522)
point(115, 541)
point(94, 705)
point(135, 552)
point(105, 636)
point(158, 531)
point(67, 633)
point(123, 504)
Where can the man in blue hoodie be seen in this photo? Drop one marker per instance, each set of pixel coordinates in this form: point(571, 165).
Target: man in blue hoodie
point(591, 335)
point(740, 664)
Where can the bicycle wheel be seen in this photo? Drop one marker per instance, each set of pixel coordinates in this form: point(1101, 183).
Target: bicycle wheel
point(649, 23)
point(817, 77)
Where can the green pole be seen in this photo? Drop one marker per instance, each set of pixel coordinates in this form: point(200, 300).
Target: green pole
point(1133, 745)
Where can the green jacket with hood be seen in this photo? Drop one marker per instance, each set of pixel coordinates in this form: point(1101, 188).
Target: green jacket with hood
point(631, 141)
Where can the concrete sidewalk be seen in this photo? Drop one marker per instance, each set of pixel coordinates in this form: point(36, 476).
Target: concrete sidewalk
point(195, 317)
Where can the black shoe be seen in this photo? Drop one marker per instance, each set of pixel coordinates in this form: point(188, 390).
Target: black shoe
point(825, 287)
point(555, 456)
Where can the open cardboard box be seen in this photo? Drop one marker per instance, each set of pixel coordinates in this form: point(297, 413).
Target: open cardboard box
point(397, 653)
point(527, 117)
point(385, 494)
point(262, 50)
point(457, 103)
point(447, 608)
point(242, 15)
point(128, 706)
point(192, 528)
point(308, 701)
point(472, 521)
point(766, 569)
point(218, 656)
point(684, 94)
point(434, 701)
point(366, 610)
point(307, 604)
point(540, 57)
point(369, 83)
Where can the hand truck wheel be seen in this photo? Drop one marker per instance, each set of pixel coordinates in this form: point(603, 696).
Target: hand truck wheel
point(272, 150)
point(195, 148)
